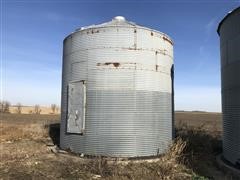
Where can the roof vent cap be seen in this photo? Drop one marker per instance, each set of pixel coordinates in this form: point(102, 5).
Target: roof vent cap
point(119, 18)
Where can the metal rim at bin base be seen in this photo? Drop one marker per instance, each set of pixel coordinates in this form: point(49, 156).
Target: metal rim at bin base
point(228, 167)
point(117, 91)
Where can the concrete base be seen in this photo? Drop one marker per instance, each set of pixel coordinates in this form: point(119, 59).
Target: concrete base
point(228, 167)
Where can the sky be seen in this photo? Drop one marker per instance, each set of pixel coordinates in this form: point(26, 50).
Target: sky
point(32, 33)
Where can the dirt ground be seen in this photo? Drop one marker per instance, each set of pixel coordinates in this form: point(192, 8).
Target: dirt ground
point(28, 152)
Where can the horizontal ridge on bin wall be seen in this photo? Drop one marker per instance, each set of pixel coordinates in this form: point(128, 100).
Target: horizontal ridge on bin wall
point(229, 31)
point(127, 72)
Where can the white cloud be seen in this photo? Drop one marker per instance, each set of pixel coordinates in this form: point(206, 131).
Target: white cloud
point(210, 27)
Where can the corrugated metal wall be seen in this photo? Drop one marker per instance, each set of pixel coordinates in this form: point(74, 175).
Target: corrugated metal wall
point(229, 31)
point(127, 70)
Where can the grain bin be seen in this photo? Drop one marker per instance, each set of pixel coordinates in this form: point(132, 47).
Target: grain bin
point(229, 31)
point(117, 95)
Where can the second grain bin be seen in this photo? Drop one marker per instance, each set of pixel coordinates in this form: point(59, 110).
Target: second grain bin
point(229, 31)
point(117, 97)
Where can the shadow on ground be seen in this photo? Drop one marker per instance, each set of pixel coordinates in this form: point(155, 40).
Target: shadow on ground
point(54, 133)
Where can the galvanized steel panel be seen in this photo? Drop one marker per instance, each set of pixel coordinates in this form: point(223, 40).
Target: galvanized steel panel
point(76, 107)
point(229, 31)
point(127, 72)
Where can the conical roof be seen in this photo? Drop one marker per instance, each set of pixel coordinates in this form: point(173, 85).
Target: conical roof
point(119, 21)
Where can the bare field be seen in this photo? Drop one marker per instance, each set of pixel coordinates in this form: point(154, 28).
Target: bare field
point(26, 154)
point(210, 122)
point(31, 109)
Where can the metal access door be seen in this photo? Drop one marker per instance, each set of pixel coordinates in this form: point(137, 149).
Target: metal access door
point(76, 107)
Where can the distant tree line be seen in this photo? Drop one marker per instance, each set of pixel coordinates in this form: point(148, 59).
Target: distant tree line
point(54, 108)
point(5, 108)
point(19, 108)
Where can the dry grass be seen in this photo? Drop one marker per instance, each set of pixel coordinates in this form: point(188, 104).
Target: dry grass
point(168, 166)
point(15, 127)
point(14, 133)
point(24, 154)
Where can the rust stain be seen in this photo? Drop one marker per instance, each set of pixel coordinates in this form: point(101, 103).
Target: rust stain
point(131, 48)
point(92, 31)
point(107, 63)
point(116, 64)
point(166, 39)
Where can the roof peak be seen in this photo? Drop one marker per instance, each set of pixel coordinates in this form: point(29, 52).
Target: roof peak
point(226, 16)
point(119, 18)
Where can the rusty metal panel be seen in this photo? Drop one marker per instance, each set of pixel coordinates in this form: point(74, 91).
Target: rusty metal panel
point(127, 73)
point(229, 31)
